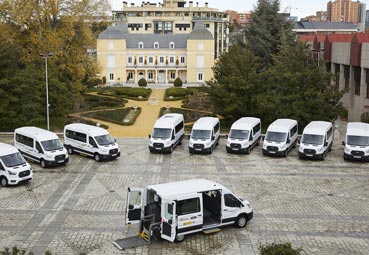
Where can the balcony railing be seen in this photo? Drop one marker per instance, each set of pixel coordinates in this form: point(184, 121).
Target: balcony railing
point(158, 66)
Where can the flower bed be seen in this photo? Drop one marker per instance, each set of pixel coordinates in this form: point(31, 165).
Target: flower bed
point(124, 116)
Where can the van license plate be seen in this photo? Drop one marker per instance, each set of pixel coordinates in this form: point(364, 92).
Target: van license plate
point(272, 152)
point(357, 157)
point(198, 149)
point(61, 161)
point(114, 155)
point(235, 149)
point(309, 155)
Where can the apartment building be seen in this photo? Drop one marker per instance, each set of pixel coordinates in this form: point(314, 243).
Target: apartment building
point(175, 17)
point(344, 10)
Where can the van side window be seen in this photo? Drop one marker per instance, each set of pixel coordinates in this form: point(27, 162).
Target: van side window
point(188, 206)
point(24, 140)
point(231, 201)
point(1, 166)
point(76, 135)
point(256, 128)
point(216, 128)
point(293, 131)
point(179, 127)
point(91, 141)
point(329, 133)
point(38, 148)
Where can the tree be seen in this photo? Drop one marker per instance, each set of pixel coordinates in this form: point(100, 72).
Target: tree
point(178, 82)
point(267, 30)
point(236, 83)
point(142, 82)
point(296, 87)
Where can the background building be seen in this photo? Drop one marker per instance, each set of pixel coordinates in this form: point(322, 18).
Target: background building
point(343, 10)
point(175, 17)
point(324, 27)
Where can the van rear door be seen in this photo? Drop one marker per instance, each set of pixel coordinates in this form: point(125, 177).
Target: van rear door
point(168, 220)
point(135, 198)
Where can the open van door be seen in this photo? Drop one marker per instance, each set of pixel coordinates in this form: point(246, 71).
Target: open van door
point(168, 220)
point(135, 198)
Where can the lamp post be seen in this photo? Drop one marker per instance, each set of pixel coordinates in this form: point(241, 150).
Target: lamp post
point(46, 56)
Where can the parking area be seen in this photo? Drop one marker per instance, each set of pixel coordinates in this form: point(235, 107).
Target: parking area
point(79, 208)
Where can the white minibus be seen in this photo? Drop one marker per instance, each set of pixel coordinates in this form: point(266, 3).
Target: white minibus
point(357, 141)
point(204, 135)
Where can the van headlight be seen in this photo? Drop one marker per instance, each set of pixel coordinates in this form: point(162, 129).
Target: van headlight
point(12, 173)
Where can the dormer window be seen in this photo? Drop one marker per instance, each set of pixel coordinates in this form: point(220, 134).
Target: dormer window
point(140, 45)
point(171, 45)
point(156, 45)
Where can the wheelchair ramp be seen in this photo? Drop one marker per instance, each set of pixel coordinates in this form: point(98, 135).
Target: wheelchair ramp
point(130, 242)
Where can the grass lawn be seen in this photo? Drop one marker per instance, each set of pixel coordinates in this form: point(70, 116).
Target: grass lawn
point(124, 116)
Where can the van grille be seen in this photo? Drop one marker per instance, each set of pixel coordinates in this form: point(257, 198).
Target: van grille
point(158, 145)
point(60, 157)
point(272, 148)
point(198, 146)
point(24, 173)
point(357, 153)
point(235, 145)
point(113, 151)
point(309, 151)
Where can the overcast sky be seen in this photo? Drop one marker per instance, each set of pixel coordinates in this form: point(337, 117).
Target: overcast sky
point(300, 8)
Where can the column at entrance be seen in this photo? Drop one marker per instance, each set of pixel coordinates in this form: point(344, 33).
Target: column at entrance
point(166, 76)
point(156, 76)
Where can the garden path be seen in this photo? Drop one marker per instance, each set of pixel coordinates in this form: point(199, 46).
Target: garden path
point(145, 121)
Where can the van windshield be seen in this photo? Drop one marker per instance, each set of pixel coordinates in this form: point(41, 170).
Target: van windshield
point(104, 139)
point(52, 145)
point(239, 134)
point(358, 140)
point(200, 134)
point(276, 137)
point(161, 133)
point(14, 159)
point(312, 139)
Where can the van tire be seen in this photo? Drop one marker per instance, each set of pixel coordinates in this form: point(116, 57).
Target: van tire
point(179, 238)
point(4, 181)
point(70, 150)
point(285, 154)
point(258, 142)
point(248, 150)
point(43, 163)
point(97, 157)
point(241, 221)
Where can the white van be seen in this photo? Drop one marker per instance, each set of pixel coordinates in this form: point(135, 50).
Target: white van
point(185, 207)
point(357, 141)
point(205, 135)
point(13, 167)
point(244, 135)
point(316, 140)
point(167, 133)
point(41, 146)
point(91, 141)
point(281, 137)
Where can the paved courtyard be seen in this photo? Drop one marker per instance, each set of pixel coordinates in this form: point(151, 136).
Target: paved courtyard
point(79, 209)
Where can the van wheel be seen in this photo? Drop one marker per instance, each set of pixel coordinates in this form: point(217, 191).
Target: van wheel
point(171, 149)
point(241, 221)
point(4, 182)
point(248, 150)
point(211, 150)
point(285, 154)
point(70, 150)
point(258, 142)
point(179, 238)
point(97, 157)
point(43, 163)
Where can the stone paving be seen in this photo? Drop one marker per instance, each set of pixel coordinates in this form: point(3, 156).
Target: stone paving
point(78, 209)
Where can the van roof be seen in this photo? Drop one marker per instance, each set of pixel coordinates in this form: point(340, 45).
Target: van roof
point(92, 130)
point(38, 133)
point(205, 122)
point(177, 189)
point(168, 120)
point(6, 149)
point(282, 125)
point(245, 123)
point(357, 128)
point(317, 127)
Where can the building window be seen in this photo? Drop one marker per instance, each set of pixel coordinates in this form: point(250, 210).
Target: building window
point(156, 45)
point(161, 60)
point(147, 26)
point(111, 76)
point(200, 77)
point(183, 60)
point(200, 61)
point(140, 60)
point(367, 82)
point(151, 60)
point(172, 76)
point(130, 76)
point(207, 25)
point(140, 45)
point(111, 45)
point(171, 45)
point(111, 61)
point(171, 60)
point(130, 60)
point(150, 75)
point(357, 80)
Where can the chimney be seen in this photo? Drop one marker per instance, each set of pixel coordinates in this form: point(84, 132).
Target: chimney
point(191, 4)
point(124, 4)
point(206, 4)
point(197, 4)
point(132, 4)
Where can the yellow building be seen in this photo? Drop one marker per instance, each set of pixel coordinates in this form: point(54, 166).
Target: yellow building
point(343, 10)
point(126, 57)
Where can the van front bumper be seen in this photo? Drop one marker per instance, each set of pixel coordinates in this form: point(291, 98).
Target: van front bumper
point(199, 150)
point(356, 158)
point(110, 156)
point(236, 150)
point(16, 181)
point(311, 156)
point(274, 153)
point(57, 162)
point(159, 149)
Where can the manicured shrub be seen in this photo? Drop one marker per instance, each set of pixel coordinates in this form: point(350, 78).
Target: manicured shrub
point(178, 92)
point(178, 82)
point(142, 82)
point(279, 249)
point(365, 117)
point(104, 79)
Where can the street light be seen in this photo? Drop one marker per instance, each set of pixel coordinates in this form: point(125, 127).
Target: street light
point(46, 56)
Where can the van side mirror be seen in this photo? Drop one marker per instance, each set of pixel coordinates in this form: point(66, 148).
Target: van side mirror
point(250, 139)
point(149, 136)
point(173, 137)
point(40, 151)
point(288, 140)
point(343, 143)
point(130, 207)
point(326, 144)
point(226, 136)
point(213, 138)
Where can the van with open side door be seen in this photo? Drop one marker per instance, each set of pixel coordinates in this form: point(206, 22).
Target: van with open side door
point(91, 141)
point(185, 207)
point(41, 146)
point(316, 140)
point(357, 141)
point(244, 135)
point(281, 137)
point(13, 167)
point(205, 135)
point(167, 133)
